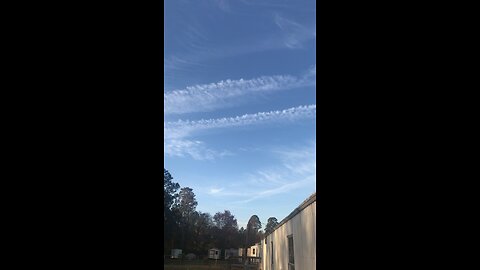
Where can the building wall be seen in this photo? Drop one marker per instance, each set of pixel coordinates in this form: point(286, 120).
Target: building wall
point(214, 254)
point(303, 227)
point(257, 251)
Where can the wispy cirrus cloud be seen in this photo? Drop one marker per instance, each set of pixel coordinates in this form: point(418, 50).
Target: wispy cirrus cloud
point(215, 190)
point(287, 187)
point(294, 33)
point(223, 4)
point(176, 133)
point(208, 97)
point(285, 34)
point(183, 128)
point(297, 169)
point(192, 148)
point(225, 192)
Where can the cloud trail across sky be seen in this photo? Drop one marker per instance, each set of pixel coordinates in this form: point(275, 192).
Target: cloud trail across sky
point(234, 130)
point(183, 128)
point(208, 97)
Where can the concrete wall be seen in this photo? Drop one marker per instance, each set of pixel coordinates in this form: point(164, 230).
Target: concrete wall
point(303, 227)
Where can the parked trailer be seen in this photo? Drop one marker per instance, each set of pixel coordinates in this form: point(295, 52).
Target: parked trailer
point(240, 252)
point(292, 243)
point(176, 253)
point(214, 253)
point(254, 251)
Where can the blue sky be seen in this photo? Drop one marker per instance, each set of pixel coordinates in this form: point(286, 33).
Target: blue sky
point(240, 104)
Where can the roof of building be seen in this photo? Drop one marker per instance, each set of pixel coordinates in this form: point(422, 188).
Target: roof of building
point(297, 210)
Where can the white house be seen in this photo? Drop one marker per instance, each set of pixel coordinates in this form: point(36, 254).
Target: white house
point(176, 253)
point(214, 253)
point(254, 251)
point(292, 243)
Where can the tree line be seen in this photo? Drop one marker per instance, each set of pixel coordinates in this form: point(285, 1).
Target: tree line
point(196, 232)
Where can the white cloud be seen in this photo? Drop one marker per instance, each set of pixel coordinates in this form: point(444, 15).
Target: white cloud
point(215, 190)
point(312, 72)
point(223, 5)
point(207, 97)
point(176, 144)
point(297, 170)
point(221, 192)
point(294, 34)
point(194, 149)
point(183, 128)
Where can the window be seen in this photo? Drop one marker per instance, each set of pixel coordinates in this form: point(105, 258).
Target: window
point(216, 252)
point(272, 250)
point(291, 256)
point(253, 251)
